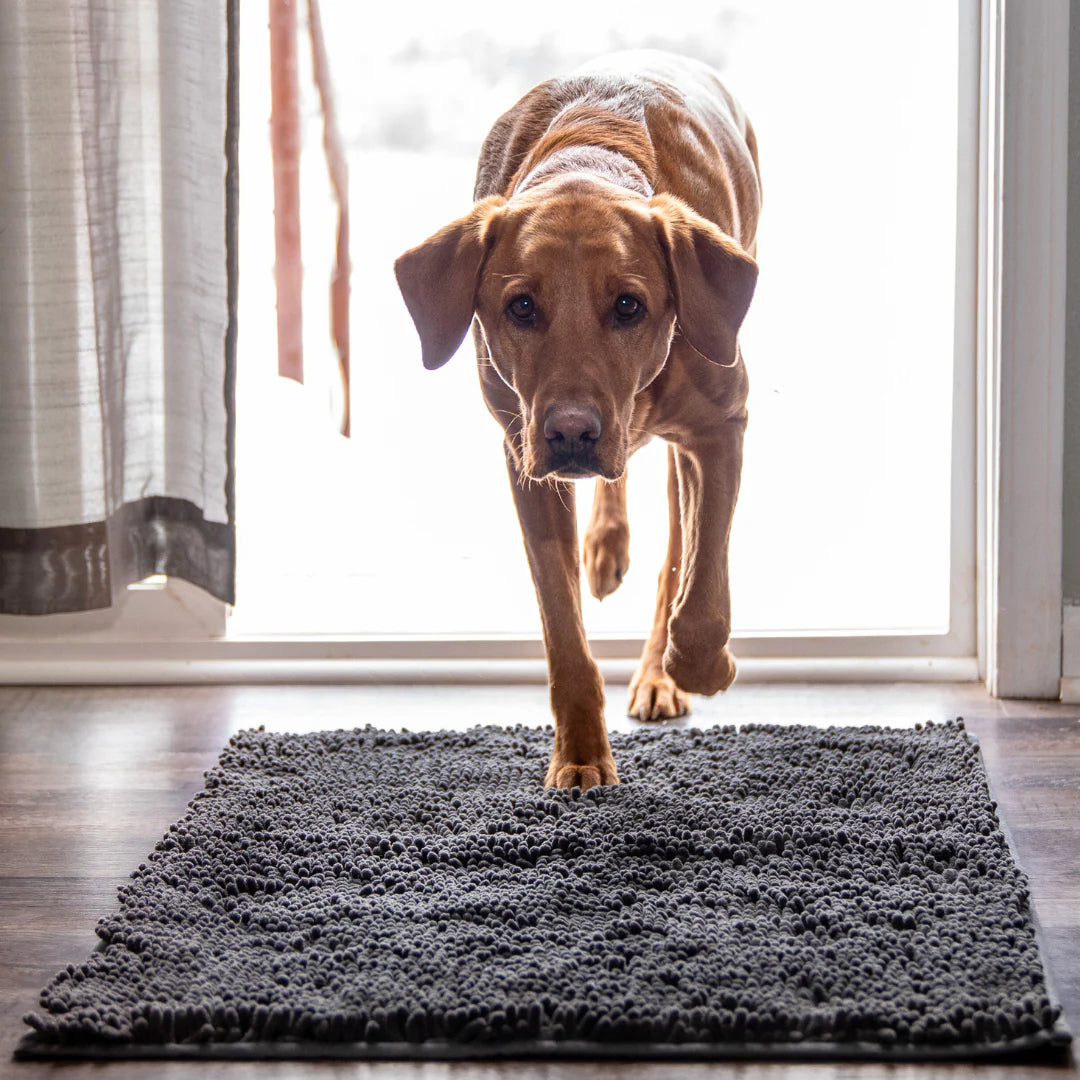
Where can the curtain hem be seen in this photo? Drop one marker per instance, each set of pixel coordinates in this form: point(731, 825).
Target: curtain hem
point(84, 567)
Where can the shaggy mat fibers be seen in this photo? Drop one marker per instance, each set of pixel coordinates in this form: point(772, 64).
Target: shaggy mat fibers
point(769, 891)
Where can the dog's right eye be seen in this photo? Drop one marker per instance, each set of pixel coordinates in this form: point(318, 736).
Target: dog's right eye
point(522, 309)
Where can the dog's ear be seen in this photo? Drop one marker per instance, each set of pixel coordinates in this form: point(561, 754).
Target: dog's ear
point(438, 280)
point(712, 278)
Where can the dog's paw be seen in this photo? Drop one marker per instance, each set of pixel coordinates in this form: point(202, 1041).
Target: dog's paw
point(700, 671)
point(607, 557)
point(569, 774)
point(656, 697)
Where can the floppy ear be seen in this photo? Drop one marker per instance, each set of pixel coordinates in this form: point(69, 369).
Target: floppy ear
point(438, 280)
point(712, 278)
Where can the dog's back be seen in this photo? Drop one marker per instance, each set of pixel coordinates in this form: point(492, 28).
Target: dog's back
point(701, 146)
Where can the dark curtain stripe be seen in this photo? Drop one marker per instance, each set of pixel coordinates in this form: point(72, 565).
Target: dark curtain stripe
point(83, 567)
point(232, 250)
point(44, 571)
point(170, 536)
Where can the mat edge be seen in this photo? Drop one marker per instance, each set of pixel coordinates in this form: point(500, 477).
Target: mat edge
point(1043, 1046)
point(1061, 1029)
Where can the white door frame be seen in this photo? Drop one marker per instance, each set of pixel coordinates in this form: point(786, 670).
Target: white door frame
point(1021, 328)
point(1010, 340)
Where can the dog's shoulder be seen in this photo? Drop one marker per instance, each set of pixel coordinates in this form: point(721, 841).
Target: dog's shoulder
point(521, 127)
point(512, 136)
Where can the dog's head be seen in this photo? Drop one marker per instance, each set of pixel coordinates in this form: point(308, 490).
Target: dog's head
point(578, 286)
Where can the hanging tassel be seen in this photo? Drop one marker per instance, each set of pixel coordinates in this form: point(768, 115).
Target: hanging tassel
point(285, 151)
point(339, 180)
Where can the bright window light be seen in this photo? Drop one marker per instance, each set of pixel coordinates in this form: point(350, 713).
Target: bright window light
point(408, 528)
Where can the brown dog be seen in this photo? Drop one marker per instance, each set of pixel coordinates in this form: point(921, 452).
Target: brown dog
point(605, 269)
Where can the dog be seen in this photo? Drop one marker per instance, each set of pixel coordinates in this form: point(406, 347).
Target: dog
point(605, 269)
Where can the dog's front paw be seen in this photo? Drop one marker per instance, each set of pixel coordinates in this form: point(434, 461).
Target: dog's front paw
point(584, 775)
point(607, 557)
point(654, 696)
point(700, 670)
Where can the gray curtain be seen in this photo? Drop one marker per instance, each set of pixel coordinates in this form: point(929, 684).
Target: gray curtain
point(118, 211)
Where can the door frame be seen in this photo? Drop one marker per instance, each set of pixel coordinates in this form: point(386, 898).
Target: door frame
point(1023, 127)
point(1006, 538)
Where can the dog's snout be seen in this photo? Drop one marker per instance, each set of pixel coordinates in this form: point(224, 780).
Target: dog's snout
point(572, 428)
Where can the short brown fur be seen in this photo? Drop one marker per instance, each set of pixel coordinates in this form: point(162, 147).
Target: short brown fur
point(634, 182)
point(584, 124)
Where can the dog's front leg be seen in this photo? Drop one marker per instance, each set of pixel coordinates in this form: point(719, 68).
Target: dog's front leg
point(607, 538)
point(653, 693)
point(581, 756)
point(697, 655)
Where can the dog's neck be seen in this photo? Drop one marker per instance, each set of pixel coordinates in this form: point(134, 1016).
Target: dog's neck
point(597, 160)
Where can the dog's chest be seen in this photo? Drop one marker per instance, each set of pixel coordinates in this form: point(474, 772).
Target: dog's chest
point(689, 398)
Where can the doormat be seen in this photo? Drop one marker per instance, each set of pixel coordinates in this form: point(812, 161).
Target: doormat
point(766, 892)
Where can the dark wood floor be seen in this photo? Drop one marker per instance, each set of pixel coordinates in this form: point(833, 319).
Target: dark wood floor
point(90, 778)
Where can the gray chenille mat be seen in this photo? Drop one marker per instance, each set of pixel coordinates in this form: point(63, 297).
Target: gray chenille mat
point(763, 892)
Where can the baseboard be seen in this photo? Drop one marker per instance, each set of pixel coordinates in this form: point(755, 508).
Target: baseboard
point(1070, 650)
point(1070, 690)
point(132, 671)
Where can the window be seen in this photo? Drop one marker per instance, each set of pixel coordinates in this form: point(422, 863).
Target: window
point(848, 521)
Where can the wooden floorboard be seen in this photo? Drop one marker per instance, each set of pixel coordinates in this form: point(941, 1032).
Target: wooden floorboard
point(91, 777)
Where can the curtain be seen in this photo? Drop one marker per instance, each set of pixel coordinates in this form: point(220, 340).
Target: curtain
point(118, 213)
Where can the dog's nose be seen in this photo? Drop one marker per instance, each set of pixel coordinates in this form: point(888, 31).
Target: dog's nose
point(571, 429)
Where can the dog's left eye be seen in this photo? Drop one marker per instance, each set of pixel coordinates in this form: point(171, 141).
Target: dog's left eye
point(628, 308)
point(523, 309)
